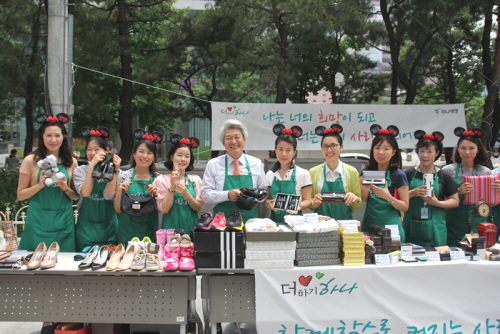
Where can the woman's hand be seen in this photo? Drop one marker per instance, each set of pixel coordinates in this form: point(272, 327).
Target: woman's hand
point(350, 198)
point(100, 156)
point(181, 189)
point(382, 192)
point(317, 200)
point(41, 182)
point(418, 192)
point(117, 161)
point(124, 186)
point(465, 188)
point(151, 190)
point(63, 184)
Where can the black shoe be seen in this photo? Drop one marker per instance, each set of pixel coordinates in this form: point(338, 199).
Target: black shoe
point(235, 221)
point(205, 219)
point(109, 169)
point(98, 169)
point(259, 193)
point(246, 202)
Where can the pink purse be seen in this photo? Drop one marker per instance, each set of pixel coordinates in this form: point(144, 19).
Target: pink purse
point(482, 189)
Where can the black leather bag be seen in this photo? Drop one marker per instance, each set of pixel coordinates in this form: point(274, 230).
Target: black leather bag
point(137, 206)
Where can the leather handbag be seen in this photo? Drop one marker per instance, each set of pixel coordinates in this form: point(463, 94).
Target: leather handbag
point(482, 189)
point(137, 206)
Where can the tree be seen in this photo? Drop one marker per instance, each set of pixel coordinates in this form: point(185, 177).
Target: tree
point(21, 60)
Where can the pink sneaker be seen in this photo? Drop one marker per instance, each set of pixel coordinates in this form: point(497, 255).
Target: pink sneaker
point(219, 222)
point(172, 254)
point(186, 262)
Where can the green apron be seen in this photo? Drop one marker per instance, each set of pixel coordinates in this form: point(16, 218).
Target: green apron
point(180, 215)
point(97, 221)
point(237, 182)
point(380, 212)
point(422, 231)
point(145, 226)
point(50, 218)
point(283, 187)
point(457, 219)
point(335, 211)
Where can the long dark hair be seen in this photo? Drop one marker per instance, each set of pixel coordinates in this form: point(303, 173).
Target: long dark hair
point(101, 142)
point(388, 135)
point(482, 155)
point(152, 147)
point(170, 165)
point(64, 151)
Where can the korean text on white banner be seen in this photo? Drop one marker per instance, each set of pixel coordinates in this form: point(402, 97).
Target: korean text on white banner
point(356, 120)
point(445, 298)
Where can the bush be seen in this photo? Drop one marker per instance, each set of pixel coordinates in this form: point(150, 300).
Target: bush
point(8, 196)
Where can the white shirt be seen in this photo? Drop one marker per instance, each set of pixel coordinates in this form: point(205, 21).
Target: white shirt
point(214, 176)
point(302, 177)
point(333, 175)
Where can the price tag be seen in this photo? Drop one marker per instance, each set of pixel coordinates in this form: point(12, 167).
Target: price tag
point(406, 251)
point(350, 226)
point(433, 256)
point(311, 218)
point(394, 229)
point(457, 255)
point(382, 259)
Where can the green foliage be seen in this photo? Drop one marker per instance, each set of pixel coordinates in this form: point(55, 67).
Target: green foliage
point(8, 192)
point(474, 112)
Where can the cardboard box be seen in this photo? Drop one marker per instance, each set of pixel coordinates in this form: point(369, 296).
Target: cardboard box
point(269, 264)
point(224, 260)
point(219, 241)
point(253, 255)
point(271, 236)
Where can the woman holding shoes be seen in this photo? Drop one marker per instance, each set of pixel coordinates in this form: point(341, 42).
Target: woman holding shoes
point(138, 181)
point(50, 214)
point(179, 194)
point(96, 183)
point(286, 177)
point(334, 176)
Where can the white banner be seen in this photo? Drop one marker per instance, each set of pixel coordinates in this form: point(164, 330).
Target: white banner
point(456, 297)
point(356, 120)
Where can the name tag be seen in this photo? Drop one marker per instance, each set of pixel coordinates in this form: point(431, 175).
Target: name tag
point(424, 213)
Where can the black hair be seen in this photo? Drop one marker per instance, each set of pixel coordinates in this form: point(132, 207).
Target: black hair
point(152, 147)
point(482, 154)
point(395, 161)
point(64, 151)
point(170, 165)
point(426, 142)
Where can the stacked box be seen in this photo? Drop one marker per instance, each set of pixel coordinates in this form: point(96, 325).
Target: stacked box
point(219, 249)
point(270, 250)
point(353, 248)
point(383, 243)
point(317, 249)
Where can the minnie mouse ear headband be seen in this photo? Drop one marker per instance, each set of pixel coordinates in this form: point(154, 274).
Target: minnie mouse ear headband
point(191, 142)
point(436, 135)
point(461, 132)
point(87, 132)
point(155, 136)
point(59, 118)
point(334, 128)
point(295, 131)
point(392, 130)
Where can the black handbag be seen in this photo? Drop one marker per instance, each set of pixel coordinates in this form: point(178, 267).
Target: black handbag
point(137, 206)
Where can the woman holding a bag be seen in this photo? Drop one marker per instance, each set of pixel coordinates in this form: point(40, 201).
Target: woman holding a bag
point(96, 183)
point(425, 220)
point(470, 154)
point(138, 220)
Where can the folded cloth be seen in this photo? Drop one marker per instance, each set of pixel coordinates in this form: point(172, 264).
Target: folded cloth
point(260, 225)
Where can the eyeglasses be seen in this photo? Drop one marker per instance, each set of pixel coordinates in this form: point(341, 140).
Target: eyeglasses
point(331, 147)
point(231, 138)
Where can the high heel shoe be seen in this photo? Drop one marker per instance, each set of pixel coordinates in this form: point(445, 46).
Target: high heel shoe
point(115, 257)
point(89, 258)
point(104, 253)
point(37, 257)
point(50, 258)
point(127, 259)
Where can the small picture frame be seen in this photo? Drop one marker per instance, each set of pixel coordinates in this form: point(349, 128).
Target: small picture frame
point(287, 202)
point(374, 177)
point(333, 197)
point(428, 179)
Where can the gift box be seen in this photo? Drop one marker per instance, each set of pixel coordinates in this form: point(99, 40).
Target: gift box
point(219, 241)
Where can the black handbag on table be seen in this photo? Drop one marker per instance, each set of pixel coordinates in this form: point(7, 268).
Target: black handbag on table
point(137, 206)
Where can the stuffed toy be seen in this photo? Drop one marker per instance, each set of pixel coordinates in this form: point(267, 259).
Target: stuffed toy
point(49, 164)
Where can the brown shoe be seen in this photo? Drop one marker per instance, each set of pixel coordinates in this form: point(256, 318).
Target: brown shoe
point(115, 257)
point(127, 259)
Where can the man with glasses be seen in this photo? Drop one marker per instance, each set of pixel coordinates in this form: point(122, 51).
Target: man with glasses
point(225, 175)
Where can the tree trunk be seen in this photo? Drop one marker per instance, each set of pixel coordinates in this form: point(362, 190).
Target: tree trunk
point(126, 94)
